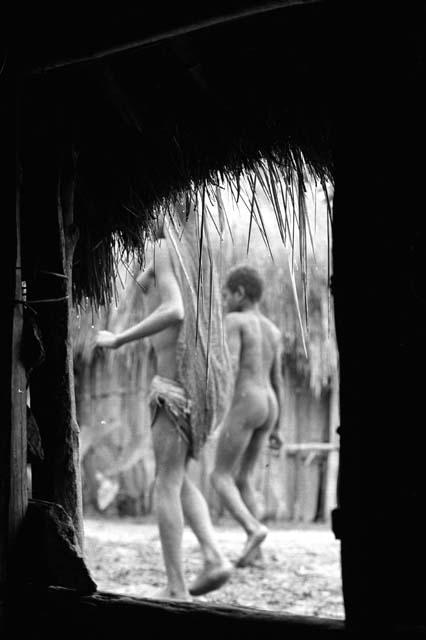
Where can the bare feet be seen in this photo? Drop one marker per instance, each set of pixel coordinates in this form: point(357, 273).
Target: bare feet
point(211, 577)
point(255, 558)
point(169, 594)
point(253, 541)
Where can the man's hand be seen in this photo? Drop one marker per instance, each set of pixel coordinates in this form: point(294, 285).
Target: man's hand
point(275, 442)
point(106, 339)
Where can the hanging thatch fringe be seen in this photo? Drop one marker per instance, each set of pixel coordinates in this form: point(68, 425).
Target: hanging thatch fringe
point(275, 181)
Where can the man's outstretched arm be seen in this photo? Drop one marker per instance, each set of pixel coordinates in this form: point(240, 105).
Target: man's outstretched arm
point(169, 311)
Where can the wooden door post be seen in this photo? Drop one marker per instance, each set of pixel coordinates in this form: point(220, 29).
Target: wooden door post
point(57, 478)
point(13, 438)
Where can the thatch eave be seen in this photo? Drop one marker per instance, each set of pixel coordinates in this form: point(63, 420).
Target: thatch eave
point(180, 114)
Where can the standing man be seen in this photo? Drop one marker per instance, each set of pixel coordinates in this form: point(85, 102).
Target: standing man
point(255, 346)
point(189, 391)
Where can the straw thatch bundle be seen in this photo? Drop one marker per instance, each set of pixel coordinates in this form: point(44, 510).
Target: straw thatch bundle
point(136, 129)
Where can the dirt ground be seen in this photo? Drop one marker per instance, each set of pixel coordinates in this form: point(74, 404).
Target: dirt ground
point(299, 573)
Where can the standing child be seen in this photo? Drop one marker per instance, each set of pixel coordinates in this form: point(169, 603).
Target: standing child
point(255, 346)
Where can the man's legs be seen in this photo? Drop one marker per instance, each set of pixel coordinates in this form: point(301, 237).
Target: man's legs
point(216, 569)
point(170, 456)
point(234, 439)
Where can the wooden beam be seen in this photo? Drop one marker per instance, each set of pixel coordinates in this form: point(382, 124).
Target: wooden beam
point(173, 33)
point(105, 615)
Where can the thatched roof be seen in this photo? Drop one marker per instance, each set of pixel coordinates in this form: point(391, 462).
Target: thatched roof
point(207, 96)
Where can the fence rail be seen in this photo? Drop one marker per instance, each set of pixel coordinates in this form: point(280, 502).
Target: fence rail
point(295, 447)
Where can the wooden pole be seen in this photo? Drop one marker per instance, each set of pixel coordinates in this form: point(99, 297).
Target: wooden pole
point(181, 30)
point(13, 438)
point(330, 498)
point(57, 478)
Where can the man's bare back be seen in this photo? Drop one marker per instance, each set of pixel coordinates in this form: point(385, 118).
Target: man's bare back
point(165, 314)
point(161, 289)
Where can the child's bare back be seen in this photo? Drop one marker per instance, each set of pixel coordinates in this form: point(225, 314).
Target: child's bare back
point(254, 397)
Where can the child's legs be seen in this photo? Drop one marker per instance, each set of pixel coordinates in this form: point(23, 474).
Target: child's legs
point(251, 456)
point(244, 479)
point(233, 441)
